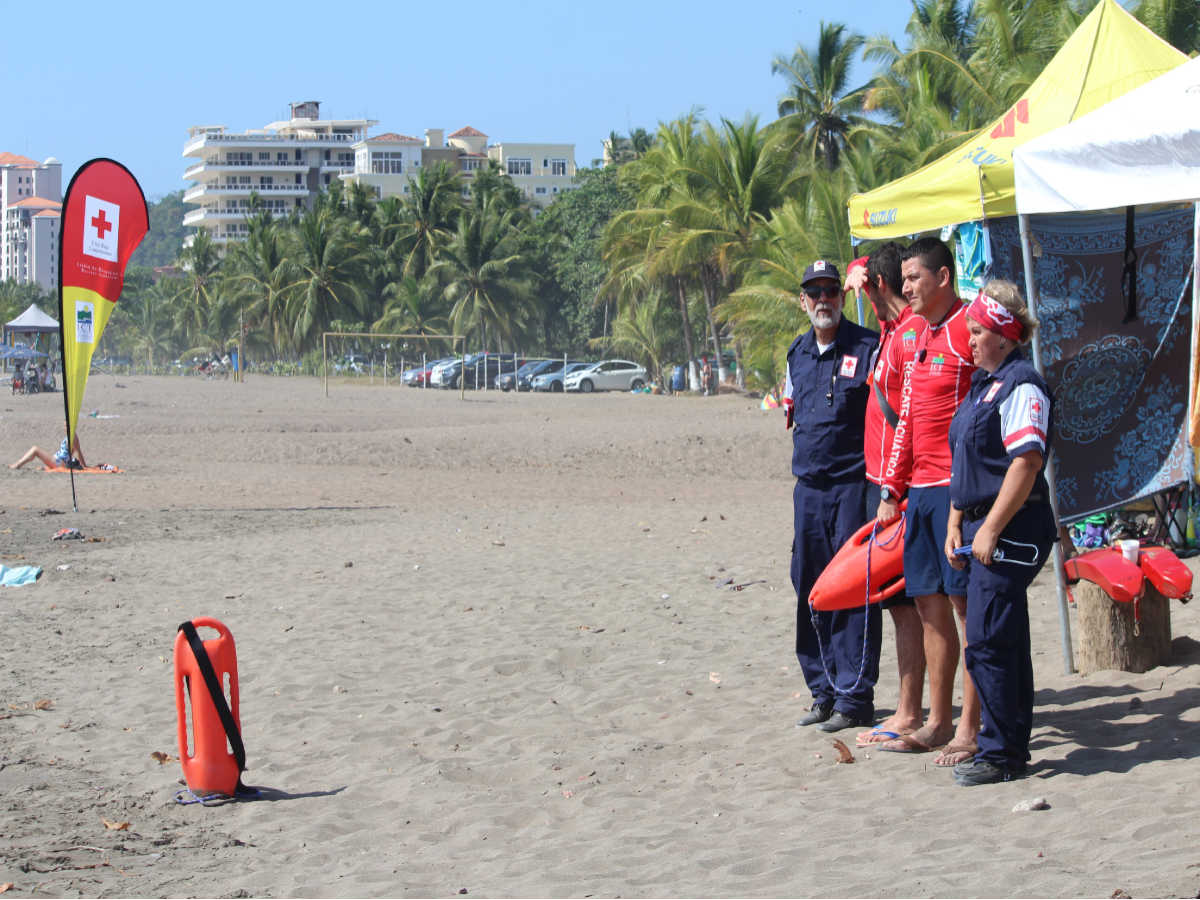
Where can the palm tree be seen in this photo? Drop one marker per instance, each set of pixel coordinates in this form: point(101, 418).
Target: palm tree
point(331, 263)
point(430, 212)
point(412, 308)
point(818, 110)
point(485, 280)
point(1175, 21)
point(196, 300)
point(149, 313)
point(264, 271)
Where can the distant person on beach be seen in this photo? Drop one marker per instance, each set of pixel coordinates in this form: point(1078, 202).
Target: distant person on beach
point(826, 394)
point(879, 277)
point(1000, 512)
point(919, 464)
point(60, 460)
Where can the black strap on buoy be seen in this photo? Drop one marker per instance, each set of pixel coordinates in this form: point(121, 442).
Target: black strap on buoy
point(218, 696)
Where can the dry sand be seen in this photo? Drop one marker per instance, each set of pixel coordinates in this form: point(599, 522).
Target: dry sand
point(491, 648)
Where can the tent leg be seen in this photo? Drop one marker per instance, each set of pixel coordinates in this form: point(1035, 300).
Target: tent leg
point(1056, 557)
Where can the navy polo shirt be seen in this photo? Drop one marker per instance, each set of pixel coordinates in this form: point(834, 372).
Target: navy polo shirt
point(1005, 414)
point(830, 394)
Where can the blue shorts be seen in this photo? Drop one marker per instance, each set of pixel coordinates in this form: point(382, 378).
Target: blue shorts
point(873, 498)
point(926, 569)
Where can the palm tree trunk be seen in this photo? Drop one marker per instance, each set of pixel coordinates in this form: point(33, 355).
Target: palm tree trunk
point(681, 296)
point(708, 279)
point(737, 359)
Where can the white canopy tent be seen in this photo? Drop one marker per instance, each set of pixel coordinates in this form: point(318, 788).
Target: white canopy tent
point(32, 321)
point(1142, 148)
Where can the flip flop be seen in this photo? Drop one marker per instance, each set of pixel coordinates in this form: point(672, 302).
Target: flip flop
point(877, 735)
point(908, 744)
point(952, 749)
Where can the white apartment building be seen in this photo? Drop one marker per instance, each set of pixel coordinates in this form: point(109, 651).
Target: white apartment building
point(286, 164)
point(30, 213)
point(388, 162)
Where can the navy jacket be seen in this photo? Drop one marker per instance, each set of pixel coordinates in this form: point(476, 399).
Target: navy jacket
point(830, 393)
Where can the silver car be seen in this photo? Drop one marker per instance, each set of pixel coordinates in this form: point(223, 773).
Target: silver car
point(608, 375)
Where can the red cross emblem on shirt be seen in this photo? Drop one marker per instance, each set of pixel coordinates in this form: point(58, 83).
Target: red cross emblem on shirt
point(101, 224)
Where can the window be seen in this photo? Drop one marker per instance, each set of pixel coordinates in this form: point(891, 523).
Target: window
point(545, 163)
point(519, 166)
point(558, 167)
point(239, 158)
point(470, 165)
point(540, 190)
point(264, 156)
point(281, 158)
point(266, 181)
point(387, 162)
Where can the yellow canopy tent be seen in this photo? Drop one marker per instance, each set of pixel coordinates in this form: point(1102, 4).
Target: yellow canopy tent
point(1109, 54)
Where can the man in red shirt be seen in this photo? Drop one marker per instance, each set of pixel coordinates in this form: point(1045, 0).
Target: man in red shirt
point(879, 276)
point(919, 464)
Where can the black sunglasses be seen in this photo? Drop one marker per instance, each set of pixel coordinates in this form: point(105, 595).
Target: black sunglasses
point(829, 291)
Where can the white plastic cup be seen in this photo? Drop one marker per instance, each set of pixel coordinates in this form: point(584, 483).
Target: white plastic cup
point(1129, 550)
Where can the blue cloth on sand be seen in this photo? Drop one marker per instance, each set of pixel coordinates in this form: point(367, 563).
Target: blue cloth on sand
point(16, 576)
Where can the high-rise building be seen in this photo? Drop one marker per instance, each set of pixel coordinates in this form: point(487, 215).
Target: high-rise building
point(286, 164)
point(30, 212)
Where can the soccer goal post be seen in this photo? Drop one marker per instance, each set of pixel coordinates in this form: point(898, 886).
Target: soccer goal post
point(398, 350)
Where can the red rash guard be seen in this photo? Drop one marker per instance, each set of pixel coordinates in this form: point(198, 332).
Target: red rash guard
point(897, 347)
point(940, 379)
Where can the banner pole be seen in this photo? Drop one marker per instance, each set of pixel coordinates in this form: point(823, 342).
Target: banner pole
point(1056, 556)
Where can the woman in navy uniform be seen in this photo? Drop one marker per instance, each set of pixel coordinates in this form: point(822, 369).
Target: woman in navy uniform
point(1001, 525)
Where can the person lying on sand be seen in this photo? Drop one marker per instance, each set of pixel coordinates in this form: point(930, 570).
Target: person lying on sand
point(60, 460)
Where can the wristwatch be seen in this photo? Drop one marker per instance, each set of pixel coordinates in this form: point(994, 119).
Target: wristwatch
point(886, 494)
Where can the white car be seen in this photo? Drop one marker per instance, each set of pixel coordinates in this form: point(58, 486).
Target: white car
point(608, 375)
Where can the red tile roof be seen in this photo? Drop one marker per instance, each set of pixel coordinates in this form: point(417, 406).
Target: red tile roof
point(15, 159)
point(392, 138)
point(468, 131)
point(37, 203)
point(48, 212)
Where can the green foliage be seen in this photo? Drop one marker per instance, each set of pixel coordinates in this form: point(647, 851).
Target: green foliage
point(164, 241)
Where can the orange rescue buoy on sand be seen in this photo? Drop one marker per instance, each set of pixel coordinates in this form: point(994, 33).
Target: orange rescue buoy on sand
point(844, 582)
point(1166, 572)
point(202, 668)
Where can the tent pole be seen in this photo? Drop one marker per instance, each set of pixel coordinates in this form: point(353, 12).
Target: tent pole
point(1056, 556)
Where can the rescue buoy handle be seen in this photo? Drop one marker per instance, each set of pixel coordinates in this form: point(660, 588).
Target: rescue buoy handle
point(217, 694)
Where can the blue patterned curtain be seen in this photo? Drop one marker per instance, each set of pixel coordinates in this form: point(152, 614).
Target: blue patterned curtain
point(1120, 388)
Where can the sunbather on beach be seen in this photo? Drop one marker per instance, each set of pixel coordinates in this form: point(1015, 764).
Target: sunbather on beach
point(60, 460)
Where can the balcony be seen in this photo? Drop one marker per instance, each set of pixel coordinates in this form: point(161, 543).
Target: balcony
point(212, 189)
point(193, 173)
point(218, 140)
point(209, 214)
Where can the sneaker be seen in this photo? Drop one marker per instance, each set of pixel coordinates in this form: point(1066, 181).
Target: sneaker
point(819, 713)
point(980, 771)
point(840, 720)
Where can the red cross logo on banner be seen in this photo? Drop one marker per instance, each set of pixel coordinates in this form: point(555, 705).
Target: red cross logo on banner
point(101, 224)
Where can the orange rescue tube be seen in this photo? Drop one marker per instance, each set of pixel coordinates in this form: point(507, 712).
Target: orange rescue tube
point(843, 583)
point(1107, 568)
point(210, 767)
point(1166, 572)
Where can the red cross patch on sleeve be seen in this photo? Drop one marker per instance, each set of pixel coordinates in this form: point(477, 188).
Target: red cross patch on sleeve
point(849, 366)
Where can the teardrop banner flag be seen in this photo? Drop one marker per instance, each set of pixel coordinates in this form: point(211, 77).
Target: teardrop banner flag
point(104, 218)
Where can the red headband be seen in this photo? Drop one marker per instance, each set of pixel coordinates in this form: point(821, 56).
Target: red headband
point(994, 317)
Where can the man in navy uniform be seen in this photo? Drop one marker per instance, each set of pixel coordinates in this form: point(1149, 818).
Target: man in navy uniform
point(826, 394)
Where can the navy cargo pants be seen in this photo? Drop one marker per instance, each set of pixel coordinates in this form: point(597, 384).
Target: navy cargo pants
point(838, 651)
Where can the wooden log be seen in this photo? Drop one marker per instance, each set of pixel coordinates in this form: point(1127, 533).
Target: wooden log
point(1108, 638)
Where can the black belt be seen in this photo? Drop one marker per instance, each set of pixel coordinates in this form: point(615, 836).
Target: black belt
point(980, 510)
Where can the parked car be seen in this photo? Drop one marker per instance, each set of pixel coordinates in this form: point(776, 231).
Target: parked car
point(608, 375)
point(552, 380)
point(418, 376)
point(519, 380)
point(506, 379)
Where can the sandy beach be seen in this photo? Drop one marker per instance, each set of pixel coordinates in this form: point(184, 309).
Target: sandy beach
point(513, 645)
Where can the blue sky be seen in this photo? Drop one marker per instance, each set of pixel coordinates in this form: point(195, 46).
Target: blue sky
point(130, 82)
